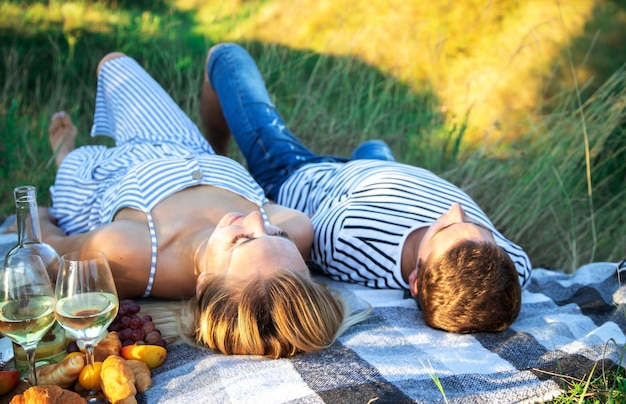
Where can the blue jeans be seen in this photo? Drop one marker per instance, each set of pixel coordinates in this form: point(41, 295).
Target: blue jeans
point(271, 151)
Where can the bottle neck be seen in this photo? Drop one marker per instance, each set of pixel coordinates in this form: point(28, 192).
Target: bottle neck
point(28, 226)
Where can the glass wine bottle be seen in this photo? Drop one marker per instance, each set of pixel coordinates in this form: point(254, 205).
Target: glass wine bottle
point(51, 348)
point(29, 240)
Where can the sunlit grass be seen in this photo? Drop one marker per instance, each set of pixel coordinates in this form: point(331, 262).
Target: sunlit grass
point(486, 61)
point(68, 16)
point(541, 196)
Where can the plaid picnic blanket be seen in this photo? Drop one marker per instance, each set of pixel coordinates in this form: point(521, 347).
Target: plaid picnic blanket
point(568, 324)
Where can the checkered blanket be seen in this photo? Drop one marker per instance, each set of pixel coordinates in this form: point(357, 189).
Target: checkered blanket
point(568, 324)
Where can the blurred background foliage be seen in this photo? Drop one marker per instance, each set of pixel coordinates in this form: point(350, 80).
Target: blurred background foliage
point(494, 65)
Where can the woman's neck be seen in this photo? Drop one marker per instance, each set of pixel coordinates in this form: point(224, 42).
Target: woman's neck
point(199, 241)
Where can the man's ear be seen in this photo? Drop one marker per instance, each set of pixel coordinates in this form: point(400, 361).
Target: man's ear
point(413, 282)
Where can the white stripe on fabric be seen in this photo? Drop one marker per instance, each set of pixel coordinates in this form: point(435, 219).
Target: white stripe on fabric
point(153, 255)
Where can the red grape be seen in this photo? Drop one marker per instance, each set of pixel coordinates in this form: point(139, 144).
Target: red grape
point(72, 347)
point(125, 322)
point(133, 328)
point(135, 322)
point(153, 337)
point(148, 327)
point(136, 334)
point(125, 334)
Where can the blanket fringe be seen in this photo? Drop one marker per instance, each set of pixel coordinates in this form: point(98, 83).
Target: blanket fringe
point(165, 315)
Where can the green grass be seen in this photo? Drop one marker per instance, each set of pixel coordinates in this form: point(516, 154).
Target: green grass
point(601, 385)
point(559, 190)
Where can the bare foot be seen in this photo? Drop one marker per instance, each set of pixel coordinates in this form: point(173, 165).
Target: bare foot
point(62, 133)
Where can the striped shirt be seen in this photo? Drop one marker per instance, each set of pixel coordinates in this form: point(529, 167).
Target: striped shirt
point(363, 211)
point(94, 182)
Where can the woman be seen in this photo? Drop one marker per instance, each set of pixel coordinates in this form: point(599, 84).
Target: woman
point(177, 221)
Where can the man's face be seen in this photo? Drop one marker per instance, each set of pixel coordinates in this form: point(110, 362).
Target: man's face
point(244, 247)
point(450, 229)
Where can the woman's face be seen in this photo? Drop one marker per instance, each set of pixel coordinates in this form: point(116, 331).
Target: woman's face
point(244, 247)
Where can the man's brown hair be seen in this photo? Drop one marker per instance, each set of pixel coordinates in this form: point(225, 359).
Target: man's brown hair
point(474, 287)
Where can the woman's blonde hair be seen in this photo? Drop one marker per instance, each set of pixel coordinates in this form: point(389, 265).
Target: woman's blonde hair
point(276, 316)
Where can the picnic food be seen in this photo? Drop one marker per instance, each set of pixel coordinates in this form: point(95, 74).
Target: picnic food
point(143, 378)
point(47, 394)
point(89, 377)
point(62, 374)
point(134, 329)
point(118, 380)
point(8, 380)
point(118, 374)
point(109, 345)
point(151, 355)
point(71, 372)
point(74, 353)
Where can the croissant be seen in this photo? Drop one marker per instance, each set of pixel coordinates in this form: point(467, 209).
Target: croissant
point(118, 381)
point(143, 378)
point(109, 345)
point(47, 394)
point(62, 374)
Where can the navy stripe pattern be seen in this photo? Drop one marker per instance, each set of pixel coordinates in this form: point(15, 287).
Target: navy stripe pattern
point(363, 210)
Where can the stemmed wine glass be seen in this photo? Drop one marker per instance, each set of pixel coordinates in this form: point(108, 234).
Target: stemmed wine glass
point(26, 304)
point(87, 299)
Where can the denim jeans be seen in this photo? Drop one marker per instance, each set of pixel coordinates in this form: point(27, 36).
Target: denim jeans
point(271, 151)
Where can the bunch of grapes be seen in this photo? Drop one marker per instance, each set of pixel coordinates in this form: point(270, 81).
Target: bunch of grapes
point(133, 329)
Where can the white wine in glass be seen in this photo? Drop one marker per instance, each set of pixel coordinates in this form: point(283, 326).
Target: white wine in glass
point(87, 300)
point(87, 315)
point(26, 304)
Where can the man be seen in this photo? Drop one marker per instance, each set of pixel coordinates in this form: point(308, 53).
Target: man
point(377, 222)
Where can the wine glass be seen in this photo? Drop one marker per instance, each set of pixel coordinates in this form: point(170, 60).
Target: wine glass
point(87, 299)
point(26, 304)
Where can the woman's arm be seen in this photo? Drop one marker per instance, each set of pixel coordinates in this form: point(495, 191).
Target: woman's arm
point(60, 241)
point(49, 229)
point(125, 243)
